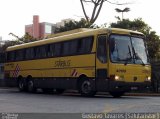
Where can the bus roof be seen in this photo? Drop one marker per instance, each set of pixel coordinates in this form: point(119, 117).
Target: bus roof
point(68, 35)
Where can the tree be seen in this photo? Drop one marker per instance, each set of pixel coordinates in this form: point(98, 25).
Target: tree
point(152, 40)
point(153, 43)
point(27, 38)
point(19, 40)
point(7, 44)
point(71, 25)
point(97, 6)
point(24, 39)
point(122, 11)
point(136, 24)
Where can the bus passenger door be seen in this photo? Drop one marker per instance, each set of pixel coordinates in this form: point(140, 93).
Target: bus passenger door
point(101, 64)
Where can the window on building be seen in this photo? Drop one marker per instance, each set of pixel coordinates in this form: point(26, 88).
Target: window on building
point(48, 29)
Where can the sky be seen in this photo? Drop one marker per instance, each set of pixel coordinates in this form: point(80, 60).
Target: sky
point(15, 14)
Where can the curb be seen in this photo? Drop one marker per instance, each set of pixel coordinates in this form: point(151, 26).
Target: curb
point(142, 94)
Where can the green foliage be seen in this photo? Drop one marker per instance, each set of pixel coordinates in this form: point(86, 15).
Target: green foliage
point(152, 40)
point(71, 25)
point(136, 24)
point(24, 39)
point(27, 38)
point(7, 44)
point(126, 24)
point(153, 43)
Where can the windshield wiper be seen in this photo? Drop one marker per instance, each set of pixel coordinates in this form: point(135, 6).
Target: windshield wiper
point(136, 56)
point(126, 62)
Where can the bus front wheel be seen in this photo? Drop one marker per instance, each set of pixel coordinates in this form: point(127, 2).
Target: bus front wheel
point(117, 94)
point(85, 88)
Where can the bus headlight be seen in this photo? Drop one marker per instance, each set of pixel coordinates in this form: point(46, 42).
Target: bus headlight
point(116, 77)
point(148, 78)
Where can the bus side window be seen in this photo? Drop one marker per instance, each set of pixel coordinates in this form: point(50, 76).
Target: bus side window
point(43, 51)
point(19, 55)
point(11, 56)
point(58, 49)
point(88, 43)
point(51, 50)
point(37, 52)
point(8, 57)
point(73, 47)
point(48, 51)
point(29, 53)
point(66, 47)
point(85, 45)
point(80, 46)
point(102, 49)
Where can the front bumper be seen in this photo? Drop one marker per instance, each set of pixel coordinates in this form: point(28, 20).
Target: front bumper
point(128, 86)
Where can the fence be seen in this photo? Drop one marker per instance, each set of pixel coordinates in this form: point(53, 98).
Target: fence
point(156, 77)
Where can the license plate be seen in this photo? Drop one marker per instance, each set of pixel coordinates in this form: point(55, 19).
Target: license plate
point(134, 88)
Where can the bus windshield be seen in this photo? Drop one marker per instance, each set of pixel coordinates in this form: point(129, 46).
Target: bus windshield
point(128, 50)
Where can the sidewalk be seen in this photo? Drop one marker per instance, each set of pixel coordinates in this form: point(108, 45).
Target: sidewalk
point(7, 83)
point(142, 94)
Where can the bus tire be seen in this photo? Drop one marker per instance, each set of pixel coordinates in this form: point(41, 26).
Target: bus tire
point(30, 86)
point(85, 88)
point(117, 94)
point(21, 85)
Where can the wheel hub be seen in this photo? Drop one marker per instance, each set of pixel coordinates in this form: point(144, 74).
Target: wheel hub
point(86, 87)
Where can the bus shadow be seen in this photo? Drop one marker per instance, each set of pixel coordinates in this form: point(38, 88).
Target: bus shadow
point(75, 94)
point(103, 96)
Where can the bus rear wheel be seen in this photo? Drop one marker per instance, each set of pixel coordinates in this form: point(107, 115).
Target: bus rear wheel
point(30, 86)
point(21, 85)
point(117, 94)
point(85, 88)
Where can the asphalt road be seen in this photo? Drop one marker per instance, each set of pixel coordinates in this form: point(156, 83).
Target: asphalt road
point(13, 101)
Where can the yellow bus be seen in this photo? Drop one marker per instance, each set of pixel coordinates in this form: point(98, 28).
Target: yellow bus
point(88, 60)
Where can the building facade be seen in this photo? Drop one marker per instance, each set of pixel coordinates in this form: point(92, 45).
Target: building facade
point(40, 30)
point(62, 22)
